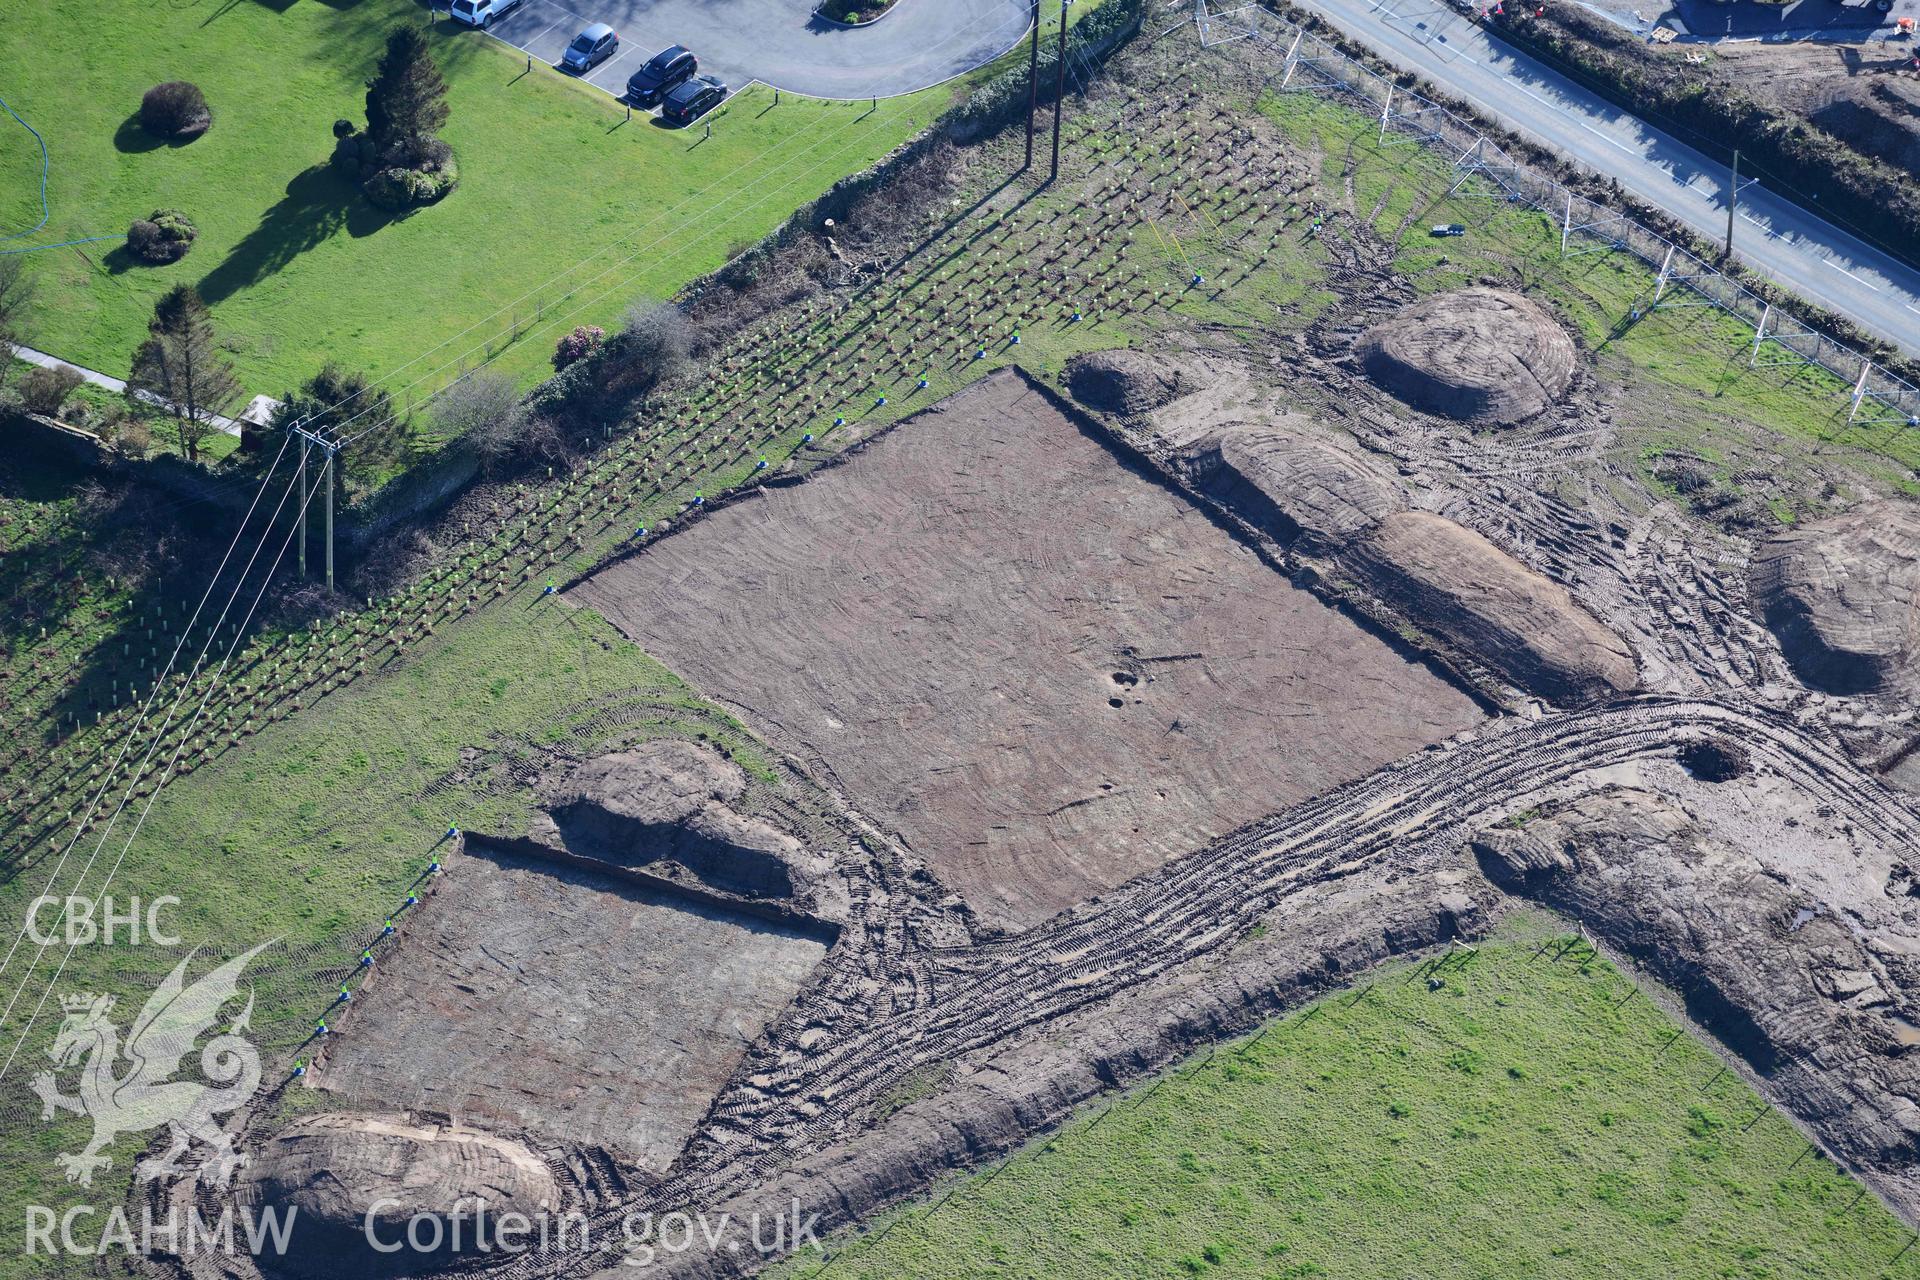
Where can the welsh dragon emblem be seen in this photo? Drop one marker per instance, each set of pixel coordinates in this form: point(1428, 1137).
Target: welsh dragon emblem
point(144, 1095)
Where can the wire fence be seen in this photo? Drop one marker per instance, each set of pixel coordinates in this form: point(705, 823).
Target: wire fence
point(1678, 277)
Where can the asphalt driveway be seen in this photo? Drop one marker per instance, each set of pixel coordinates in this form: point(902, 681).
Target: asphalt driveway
point(780, 42)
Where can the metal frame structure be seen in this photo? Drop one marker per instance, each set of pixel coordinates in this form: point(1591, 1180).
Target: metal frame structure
point(1226, 27)
point(1669, 277)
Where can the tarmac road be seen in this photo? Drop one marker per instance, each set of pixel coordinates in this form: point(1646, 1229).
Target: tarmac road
point(1798, 250)
point(780, 42)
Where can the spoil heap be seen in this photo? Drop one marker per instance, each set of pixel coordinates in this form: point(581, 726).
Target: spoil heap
point(1842, 595)
point(1483, 356)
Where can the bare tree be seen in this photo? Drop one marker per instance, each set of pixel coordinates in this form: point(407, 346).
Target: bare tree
point(484, 409)
point(180, 366)
point(653, 348)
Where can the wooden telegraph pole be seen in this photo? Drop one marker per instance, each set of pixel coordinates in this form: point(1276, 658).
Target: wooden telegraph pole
point(1059, 91)
point(329, 449)
point(301, 510)
point(1033, 83)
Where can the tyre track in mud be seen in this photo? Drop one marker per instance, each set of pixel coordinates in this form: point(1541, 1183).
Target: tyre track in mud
point(782, 1109)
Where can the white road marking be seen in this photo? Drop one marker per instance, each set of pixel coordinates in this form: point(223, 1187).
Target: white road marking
point(1552, 105)
point(528, 46)
point(1849, 275)
point(625, 50)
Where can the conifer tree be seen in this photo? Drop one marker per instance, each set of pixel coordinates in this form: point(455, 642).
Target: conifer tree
point(406, 99)
point(180, 365)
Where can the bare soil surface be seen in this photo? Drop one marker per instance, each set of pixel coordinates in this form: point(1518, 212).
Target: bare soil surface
point(1125, 382)
point(332, 1170)
point(1045, 670)
point(1868, 96)
point(529, 996)
point(1289, 484)
point(929, 634)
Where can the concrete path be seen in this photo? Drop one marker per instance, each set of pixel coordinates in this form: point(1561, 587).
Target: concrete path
point(1795, 248)
point(118, 385)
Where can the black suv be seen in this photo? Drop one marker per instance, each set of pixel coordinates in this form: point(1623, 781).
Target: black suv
point(691, 99)
point(668, 68)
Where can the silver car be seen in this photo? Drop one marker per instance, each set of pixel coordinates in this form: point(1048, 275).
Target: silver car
point(590, 48)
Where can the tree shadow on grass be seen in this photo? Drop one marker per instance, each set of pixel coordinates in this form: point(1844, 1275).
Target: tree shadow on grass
point(319, 204)
point(119, 260)
point(131, 138)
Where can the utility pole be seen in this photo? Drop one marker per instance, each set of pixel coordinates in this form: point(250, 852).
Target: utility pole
point(1733, 200)
point(1059, 91)
point(330, 470)
point(329, 447)
point(1033, 83)
point(301, 510)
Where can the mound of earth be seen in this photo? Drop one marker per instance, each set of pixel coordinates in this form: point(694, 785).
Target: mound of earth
point(1478, 355)
point(671, 801)
point(1843, 595)
point(1289, 484)
point(1788, 985)
point(331, 1171)
point(1125, 382)
point(1455, 584)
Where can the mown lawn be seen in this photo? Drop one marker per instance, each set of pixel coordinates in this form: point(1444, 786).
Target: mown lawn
point(1525, 1119)
point(298, 267)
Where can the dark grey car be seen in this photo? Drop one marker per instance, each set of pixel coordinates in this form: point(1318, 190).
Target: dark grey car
point(663, 71)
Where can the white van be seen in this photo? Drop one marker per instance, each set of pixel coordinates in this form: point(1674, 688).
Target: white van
point(481, 13)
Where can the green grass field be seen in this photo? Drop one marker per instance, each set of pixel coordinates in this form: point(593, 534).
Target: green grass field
point(299, 268)
point(1525, 1120)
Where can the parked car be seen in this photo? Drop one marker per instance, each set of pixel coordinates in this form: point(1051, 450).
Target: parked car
point(590, 48)
point(1446, 229)
point(691, 99)
point(482, 13)
point(666, 69)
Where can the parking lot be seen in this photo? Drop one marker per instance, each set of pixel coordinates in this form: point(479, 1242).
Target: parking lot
point(779, 42)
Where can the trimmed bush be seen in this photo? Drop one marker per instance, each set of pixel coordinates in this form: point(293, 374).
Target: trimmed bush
point(163, 236)
point(577, 345)
point(175, 111)
point(854, 11)
point(397, 188)
point(45, 391)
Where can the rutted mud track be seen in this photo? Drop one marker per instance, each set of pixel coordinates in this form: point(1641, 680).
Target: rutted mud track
point(1411, 815)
